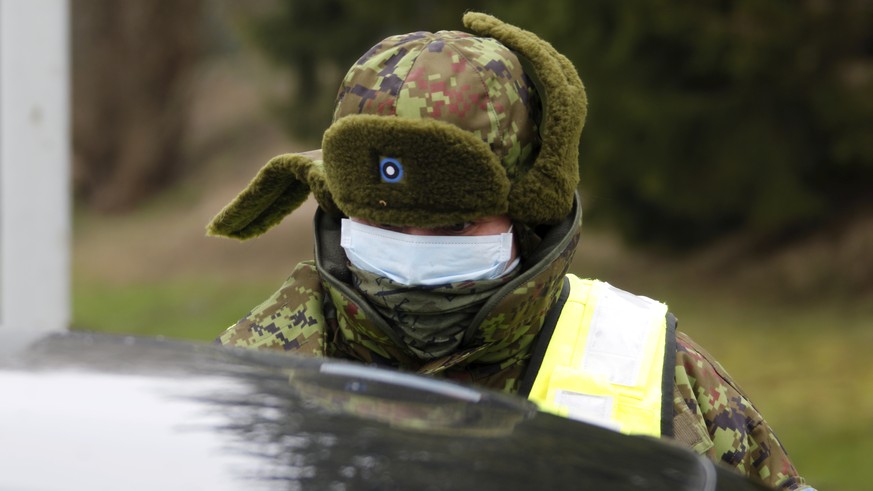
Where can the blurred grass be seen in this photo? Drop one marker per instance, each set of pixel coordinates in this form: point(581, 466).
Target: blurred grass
point(803, 366)
point(186, 308)
point(802, 363)
point(801, 358)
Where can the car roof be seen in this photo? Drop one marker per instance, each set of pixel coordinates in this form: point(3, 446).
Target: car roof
point(93, 411)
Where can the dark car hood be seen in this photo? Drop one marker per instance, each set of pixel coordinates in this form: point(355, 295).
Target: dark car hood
point(87, 411)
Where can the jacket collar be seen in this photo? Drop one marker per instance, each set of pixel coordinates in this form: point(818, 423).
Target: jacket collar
point(501, 334)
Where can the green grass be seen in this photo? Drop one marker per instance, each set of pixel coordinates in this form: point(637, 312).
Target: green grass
point(804, 366)
point(803, 361)
point(184, 308)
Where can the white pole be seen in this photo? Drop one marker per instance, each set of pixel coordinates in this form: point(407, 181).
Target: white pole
point(34, 165)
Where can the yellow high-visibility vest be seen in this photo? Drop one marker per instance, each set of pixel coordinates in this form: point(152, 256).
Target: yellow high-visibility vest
point(609, 360)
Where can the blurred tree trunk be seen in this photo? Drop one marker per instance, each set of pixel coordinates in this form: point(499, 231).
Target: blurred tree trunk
point(132, 62)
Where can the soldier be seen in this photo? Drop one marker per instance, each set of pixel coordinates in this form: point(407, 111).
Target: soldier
point(447, 220)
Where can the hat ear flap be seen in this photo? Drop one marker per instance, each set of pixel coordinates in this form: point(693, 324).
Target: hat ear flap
point(279, 188)
point(544, 194)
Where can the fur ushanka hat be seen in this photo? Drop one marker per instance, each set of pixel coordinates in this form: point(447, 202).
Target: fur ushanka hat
point(433, 129)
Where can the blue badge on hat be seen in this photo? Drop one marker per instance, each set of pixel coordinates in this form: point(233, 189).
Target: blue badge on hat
point(390, 169)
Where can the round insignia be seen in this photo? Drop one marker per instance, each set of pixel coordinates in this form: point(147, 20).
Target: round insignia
point(391, 169)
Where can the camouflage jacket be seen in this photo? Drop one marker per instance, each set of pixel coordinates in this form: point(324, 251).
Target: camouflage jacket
point(317, 312)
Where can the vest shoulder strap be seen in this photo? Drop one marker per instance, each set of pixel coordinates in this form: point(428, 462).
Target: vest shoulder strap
point(668, 381)
point(543, 339)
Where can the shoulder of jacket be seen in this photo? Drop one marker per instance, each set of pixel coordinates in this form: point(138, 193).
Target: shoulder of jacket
point(291, 319)
point(702, 365)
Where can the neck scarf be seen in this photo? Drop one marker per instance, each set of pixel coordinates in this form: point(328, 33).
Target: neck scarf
point(431, 320)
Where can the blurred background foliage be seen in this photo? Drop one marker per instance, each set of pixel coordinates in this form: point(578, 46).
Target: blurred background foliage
point(132, 63)
point(707, 117)
point(726, 167)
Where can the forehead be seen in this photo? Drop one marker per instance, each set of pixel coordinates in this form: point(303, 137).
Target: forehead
point(487, 225)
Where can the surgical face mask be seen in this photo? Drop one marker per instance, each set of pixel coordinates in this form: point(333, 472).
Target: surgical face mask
point(426, 259)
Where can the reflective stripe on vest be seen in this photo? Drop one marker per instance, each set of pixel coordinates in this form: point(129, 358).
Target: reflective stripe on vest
point(605, 361)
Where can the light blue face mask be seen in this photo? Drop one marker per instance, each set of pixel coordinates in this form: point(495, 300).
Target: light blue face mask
point(426, 259)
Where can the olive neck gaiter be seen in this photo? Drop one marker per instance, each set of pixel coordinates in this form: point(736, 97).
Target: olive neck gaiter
point(431, 320)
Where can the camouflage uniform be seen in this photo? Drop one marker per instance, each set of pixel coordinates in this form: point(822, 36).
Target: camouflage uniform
point(474, 139)
point(317, 313)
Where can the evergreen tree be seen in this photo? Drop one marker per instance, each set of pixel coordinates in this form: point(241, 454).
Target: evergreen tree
point(705, 117)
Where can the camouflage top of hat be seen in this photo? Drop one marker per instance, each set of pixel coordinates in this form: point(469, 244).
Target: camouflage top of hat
point(433, 129)
point(400, 142)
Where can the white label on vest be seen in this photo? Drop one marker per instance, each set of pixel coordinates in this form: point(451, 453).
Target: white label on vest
point(620, 329)
point(588, 408)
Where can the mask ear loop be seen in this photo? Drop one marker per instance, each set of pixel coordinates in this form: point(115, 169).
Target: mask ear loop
point(511, 264)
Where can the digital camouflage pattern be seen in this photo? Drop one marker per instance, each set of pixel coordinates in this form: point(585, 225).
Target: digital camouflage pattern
point(430, 321)
point(292, 319)
point(715, 418)
point(497, 343)
point(430, 100)
point(315, 317)
point(473, 83)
